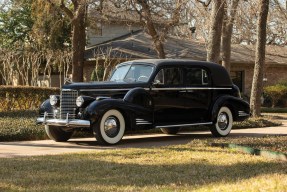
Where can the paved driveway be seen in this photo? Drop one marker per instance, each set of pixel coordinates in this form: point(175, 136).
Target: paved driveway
point(48, 147)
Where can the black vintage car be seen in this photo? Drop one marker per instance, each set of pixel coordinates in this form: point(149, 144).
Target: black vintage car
point(146, 94)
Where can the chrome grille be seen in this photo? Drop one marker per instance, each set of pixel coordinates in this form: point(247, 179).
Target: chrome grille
point(68, 103)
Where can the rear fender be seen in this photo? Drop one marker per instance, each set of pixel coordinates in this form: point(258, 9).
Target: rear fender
point(236, 105)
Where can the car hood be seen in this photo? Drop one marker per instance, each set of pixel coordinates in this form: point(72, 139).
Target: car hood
point(103, 85)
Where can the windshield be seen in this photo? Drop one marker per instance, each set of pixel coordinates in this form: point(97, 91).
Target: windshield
point(132, 73)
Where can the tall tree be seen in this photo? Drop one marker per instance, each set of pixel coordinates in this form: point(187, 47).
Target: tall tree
point(257, 83)
point(77, 15)
point(51, 27)
point(157, 17)
point(213, 47)
point(15, 23)
point(145, 13)
point(227, 28)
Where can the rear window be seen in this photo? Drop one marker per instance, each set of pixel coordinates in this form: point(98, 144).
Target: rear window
point(196, 77)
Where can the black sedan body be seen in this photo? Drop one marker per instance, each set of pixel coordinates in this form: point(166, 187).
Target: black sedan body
point(147, 94)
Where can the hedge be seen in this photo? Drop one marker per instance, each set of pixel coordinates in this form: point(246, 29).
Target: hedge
point(24, 97)
point(276, 93)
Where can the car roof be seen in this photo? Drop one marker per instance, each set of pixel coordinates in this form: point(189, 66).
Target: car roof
point(220, 76)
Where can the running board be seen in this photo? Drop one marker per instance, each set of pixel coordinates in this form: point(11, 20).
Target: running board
point(183, 125)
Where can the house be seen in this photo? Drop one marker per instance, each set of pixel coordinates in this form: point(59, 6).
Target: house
point(138, 45)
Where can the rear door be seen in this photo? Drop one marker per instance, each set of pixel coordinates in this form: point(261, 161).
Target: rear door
point(198, 93)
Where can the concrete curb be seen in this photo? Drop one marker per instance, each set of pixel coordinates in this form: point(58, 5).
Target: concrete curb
point(253, 151)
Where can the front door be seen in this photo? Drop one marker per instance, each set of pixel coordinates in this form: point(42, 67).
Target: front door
point(167, 92)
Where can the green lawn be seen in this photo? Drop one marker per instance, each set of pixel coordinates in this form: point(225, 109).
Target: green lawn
point(194, 166)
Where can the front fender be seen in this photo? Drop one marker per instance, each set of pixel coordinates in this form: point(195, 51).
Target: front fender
point(137, 104)
point(45, 107)
point(139, 96)
point(97, 108)
point(235, 104)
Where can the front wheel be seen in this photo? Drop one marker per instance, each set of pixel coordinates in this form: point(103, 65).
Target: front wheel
point(223, 124)
point(110, 128)
point(57, 133)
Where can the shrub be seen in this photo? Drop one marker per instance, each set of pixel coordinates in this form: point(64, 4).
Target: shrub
point(24, 97)
point(20, 125)
point(275, 92)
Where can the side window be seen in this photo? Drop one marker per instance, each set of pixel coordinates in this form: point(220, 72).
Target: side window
point(197, 77)
point(169, 76)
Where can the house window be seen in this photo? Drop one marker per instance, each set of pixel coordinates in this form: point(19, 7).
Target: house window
point(237, 78)
point(98, 30)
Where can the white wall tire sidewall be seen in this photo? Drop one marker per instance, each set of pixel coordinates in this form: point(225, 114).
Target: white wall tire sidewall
point(230, 122)
point(121, 119)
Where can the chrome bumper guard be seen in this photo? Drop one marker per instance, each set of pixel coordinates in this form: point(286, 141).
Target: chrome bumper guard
point(63, 122)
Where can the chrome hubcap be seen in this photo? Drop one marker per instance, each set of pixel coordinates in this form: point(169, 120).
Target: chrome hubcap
point(222, 121)
point(111, 126)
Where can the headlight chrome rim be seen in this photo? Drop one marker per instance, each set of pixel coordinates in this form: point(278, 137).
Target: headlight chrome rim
point(80, 101)
point(54, 100)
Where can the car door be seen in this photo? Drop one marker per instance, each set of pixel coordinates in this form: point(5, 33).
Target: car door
point(198, 93)
point(167, 91)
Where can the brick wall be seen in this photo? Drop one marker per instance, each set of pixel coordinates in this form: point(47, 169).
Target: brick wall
point(273, 74)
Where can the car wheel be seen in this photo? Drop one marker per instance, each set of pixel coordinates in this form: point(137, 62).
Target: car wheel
point(223, 124)
point(110, 128)
point(170, 130)
point(57, 133)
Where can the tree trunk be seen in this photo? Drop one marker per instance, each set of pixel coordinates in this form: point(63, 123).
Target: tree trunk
point(213, 47)
point(78, 43)
point(257, 84)
point(227, 29)
point(158, 45)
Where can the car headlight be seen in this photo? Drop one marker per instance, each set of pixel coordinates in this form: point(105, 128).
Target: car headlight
point(79, 101)
point(54, 100)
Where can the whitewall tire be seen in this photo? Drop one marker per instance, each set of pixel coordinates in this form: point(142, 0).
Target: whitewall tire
point(224, 121)
point(110, 128)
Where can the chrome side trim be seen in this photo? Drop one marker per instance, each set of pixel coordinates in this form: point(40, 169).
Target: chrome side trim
point(186, 89)
point(209, 88)
point(163, 89)
point(104, 90)
point(242, 114)
point(146, 123)
point(111, 89)
point(142, 122)
point(184, 125)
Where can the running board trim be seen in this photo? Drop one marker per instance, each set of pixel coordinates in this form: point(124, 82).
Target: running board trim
point(183, 125)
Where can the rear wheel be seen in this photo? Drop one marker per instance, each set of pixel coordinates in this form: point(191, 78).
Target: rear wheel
point(223, 124)
point(57, 133)
point(170, 130)
point(110, 128)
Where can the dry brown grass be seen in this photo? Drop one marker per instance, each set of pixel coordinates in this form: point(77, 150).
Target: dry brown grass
point(192, 167)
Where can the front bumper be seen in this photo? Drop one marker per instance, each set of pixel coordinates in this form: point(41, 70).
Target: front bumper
point(63, 122)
